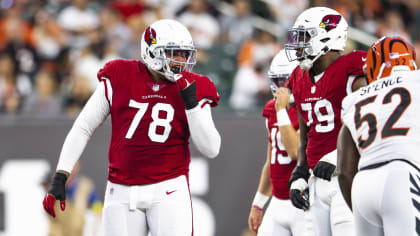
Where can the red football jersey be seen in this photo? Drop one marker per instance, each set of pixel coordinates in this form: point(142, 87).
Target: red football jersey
point(320, 103)
point(281, 165)
point(149, 140)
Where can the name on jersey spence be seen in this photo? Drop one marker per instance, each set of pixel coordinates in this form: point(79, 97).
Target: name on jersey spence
point(380, 84)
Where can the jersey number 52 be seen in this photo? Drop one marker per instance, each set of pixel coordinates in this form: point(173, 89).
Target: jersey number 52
point(388, 129)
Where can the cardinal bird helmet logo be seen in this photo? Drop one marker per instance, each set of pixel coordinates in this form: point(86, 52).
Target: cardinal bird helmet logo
point(150, 36)
point(330, 22)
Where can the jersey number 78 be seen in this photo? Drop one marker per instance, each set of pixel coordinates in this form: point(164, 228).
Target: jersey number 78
point(157, 121)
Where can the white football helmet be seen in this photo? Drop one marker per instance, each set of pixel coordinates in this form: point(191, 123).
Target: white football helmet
point(280, 70)
point(161, 42)
point(315, 32)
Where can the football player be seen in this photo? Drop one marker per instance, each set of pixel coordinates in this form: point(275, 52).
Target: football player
point(155, 106)
point(319, 84)
point(379, 140)
point(280, 218)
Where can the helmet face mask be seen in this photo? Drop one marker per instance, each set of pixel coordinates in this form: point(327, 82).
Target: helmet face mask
point(167, 48)
point(278, 81)
point(178, 59)
point(280, 70)
point(316, 31)
point(299, 46)
point(388, 55)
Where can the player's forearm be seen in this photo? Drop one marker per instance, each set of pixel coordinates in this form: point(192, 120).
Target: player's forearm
point(347, 162)
point(91, 117)
point(203, 131)
point(264, 186)
point(345, 183)
point(301, 160)
point(290, 140)
point(303, 140)
point(72, 149)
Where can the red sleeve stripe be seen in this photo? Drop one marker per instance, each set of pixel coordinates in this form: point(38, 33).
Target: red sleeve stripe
point(204, 103)
point(108, 89)
point(350, 81)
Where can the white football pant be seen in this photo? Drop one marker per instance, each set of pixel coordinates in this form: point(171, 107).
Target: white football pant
point(162, 208)
point(281, 219)
point(384, 200)
point(328, 214)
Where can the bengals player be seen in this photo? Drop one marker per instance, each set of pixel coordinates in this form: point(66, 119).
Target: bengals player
point(379, 142)
point(155, 106)
point(319, 84)
point(280, 218)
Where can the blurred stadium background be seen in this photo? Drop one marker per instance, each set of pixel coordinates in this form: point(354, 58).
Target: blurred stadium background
point(50, 51)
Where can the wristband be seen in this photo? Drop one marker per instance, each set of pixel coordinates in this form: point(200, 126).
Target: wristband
point(299, 184)
point(257, 207)
point(59, 179)
point(282, 118)
point(189, 96)
point(259, 200)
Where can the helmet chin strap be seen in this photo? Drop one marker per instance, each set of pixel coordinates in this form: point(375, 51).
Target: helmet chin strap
point(307, 63)
point(167, 73)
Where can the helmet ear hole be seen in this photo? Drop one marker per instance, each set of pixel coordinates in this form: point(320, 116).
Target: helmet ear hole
point(156, 65)
point(151, 55)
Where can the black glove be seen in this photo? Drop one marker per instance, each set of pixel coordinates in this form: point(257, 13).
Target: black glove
point(299, 187)
point(300, 200)
point(187, 89)
point(57, 191)
point(297, 173)
point(324, 170)
point(189, 96)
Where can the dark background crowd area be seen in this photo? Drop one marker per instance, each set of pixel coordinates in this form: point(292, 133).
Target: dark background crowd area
point(51, 50)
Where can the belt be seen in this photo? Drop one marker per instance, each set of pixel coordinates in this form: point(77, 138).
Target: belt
point(377, 165)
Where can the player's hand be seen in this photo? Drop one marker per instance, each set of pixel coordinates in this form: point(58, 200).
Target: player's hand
point(187, 89)
point(298, 172)
point(324, 170)
point(183, 80)
point(254, 219)
point(299, 194)
point(282, 98)
point(57, 191)
point(299, 187)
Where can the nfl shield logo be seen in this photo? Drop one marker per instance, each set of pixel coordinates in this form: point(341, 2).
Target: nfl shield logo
point(155, 87)
point(313, 88)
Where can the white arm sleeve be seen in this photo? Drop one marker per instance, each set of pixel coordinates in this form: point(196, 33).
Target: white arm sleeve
point(203, 131)
point(91, 117)
point(350, 81)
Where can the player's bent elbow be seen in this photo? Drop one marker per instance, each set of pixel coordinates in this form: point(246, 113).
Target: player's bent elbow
point(293, 154)
point(214, 152)
point(212, 149)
